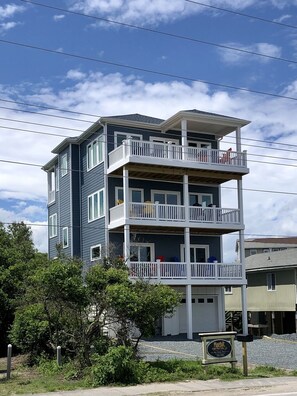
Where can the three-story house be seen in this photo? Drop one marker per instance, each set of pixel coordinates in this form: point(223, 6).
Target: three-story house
point(149, 189)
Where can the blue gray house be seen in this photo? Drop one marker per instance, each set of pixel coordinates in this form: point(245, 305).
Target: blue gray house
point(149, 189)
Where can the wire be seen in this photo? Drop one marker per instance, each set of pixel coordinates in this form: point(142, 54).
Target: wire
point(48, 108)
point(241, 14)
point(160, 32)
point(47, 115)
point(39, 124)
point(155, 72)
point(30, 131)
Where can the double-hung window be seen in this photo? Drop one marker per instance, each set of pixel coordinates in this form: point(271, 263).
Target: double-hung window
point(64, 165)
point(96, 205)
point(53, 226)
point(95, 153)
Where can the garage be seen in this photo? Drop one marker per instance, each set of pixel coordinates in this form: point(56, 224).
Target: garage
point(205, 316)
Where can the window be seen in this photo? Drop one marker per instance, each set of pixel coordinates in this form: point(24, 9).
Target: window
point(142, 252)
point(57, 178)
point(64, 165)
point(192, 143)
point(53, 226)
point(51, 186)
point(95, 252)
point(65, 237)
point(166, 197)
point(271, 281)
point(120, 136)
point(95, 153)
point(198, 253)
point(135, 195)
point(96, 205)
point(201, 199)
point(228, 290)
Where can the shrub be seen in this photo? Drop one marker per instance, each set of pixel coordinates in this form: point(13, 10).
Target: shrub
point(119, 365)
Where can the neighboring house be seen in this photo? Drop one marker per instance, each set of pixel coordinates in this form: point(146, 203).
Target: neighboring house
point(150, 188)
point(271, 268)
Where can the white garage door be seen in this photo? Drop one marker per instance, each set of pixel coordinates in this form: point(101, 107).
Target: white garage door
point(205, 314)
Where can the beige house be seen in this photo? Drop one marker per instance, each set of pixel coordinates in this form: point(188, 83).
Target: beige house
point(271, 287)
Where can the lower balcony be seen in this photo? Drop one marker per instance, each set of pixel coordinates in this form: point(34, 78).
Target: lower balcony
point(174, 273)
point(155, 214)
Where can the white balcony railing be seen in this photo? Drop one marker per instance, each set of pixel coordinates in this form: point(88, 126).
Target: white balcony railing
point(173, 270)
point(158, 213)
point(140, 148)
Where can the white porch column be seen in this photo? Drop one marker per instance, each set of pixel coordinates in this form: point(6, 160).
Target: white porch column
point(184, 133)
point(189, 312)
point(242, 260)
point(126, 216)
point(186, 198)
point(238, 139)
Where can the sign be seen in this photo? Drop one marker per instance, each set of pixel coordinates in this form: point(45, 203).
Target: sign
point(218, 347)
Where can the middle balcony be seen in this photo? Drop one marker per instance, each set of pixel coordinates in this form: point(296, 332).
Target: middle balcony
point(163, 215)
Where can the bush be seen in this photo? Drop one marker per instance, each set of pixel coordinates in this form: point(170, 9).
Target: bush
point(119, 365)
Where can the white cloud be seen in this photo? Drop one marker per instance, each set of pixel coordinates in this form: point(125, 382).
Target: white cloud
point(5, 26)
point(59, 17)
point(10, 10)
point(106, 94)
point(237, 57)
point(283, 18)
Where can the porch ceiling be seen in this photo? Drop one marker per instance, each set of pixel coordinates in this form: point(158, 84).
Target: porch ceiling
point(196, 176)
point(143, 229)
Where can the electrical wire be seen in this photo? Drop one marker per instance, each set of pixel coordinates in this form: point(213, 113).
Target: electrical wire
point(160, 32)
point(241, 14)
point(149, 71)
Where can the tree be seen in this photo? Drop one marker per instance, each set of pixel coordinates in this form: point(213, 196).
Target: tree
point(74, 312)
point(18, 260)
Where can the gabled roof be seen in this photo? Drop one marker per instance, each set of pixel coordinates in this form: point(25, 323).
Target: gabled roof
point(271, 261)
point(268, 243)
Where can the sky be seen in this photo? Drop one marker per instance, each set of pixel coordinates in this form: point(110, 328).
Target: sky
point(157, 57)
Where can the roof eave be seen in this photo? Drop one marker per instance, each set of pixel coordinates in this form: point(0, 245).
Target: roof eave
point(136, 124)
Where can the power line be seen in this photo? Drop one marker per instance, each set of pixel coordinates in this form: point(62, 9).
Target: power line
point(242, 14)
point(48, 108)
point(160, 32)
point(39, 124)
point(155, 72)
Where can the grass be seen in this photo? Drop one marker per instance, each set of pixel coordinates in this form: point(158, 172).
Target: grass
point(49, 377)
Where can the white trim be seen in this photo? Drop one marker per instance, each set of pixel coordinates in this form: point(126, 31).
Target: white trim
point(97, 145)
point(57, 179)
point(67, 238)
point(182, 250)
point(131, 189)
point(177, 193)
point(64, 167)
point(199, 144)
point(127, 134)
point(91, 199)
point(53, 226)
point(165, 140)
point(143, 244)
point(91, 252)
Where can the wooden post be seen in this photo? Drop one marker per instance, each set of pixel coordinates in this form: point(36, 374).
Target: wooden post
point(59, 356)
point(244, 359)
point(8, 369)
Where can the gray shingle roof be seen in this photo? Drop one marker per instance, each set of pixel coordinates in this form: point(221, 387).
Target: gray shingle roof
point(272, 260)
point(137, 118)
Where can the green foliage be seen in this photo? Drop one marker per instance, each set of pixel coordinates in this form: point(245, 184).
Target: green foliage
point(30, 330)
point(117, 366)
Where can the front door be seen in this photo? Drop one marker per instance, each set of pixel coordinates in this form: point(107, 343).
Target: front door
point(142, 252)
point(198, 253)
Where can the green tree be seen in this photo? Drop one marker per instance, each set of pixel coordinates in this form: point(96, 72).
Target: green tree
point(78, 311)
point(18, 260)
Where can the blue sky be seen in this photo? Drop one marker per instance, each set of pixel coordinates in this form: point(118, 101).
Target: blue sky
point(56, 80)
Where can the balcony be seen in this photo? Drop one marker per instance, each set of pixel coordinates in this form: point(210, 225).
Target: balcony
point(195, 273)
point(155, 214)
point(166, 154)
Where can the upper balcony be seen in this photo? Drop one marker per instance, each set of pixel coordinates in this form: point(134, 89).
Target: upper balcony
point(149, 214)
point(151, 157)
